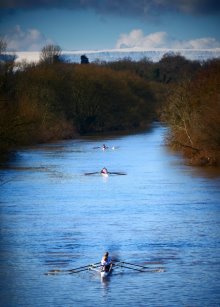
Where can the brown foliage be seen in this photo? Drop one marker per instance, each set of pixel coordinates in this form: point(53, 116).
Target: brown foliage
point(107, 100)
point(193, 113)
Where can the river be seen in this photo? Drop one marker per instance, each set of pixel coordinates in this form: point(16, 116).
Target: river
point(162, 214)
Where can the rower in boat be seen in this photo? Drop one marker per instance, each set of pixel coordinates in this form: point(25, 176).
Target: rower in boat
point(104, 172)
point(104, 147)
point(106, 265)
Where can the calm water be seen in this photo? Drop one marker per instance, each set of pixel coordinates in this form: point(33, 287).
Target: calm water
point(55, 217)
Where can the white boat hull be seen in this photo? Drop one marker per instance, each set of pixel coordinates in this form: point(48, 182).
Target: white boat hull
point(104, 175)
point(105, 274)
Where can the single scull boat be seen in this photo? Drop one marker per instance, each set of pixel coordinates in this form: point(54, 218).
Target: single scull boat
point(104, 175)
point(106, 272)
point(103, 271)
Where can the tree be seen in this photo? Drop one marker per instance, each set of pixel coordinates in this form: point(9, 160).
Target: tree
point(84, 59)
point(50, 54)
point(192, 112)
point(178, 112)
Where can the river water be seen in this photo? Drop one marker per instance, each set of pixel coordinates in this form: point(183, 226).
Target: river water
point(162, 214)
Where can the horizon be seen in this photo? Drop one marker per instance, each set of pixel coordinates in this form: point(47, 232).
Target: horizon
point(155, 54)
point(135, 49)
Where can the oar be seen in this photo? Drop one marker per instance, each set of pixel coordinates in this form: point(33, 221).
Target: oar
point(76, 270)
point(82, 268)
point(132, 264)
point(117, 173)
point(127, 267)
point(93, 173)
point(111, 173)
point(144, 269)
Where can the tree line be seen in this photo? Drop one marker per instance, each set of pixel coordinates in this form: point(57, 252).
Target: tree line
point(54, 100)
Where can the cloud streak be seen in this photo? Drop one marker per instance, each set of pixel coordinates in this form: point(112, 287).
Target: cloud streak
point(137, 40)
point(142, 8)
point(30, 39)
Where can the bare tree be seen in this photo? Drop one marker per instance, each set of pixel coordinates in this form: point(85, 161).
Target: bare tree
point(50, 54)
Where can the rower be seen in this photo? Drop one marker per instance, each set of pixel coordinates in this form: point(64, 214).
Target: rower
point(104, 147)
point(106, 262)
point(104, 171)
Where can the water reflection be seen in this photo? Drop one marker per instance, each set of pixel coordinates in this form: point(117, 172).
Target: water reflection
point(105, 282)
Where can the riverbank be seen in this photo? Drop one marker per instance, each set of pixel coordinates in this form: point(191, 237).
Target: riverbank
point(192, 111)
point(51, 101)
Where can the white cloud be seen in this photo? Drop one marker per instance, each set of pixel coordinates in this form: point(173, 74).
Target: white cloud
point(28, 40)
point(137, 40)
point(204, 43)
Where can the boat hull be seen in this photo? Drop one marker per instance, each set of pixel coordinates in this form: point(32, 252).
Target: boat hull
point(102, 273)
point(105, 274)
point(104, 175)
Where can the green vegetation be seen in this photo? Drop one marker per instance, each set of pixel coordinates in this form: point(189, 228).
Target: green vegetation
point(56, 100)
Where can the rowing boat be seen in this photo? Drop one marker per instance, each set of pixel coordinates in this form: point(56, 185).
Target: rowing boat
point(104, 175)
point(103, 273)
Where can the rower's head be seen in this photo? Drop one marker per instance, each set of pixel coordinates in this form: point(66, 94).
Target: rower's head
point(106, 254)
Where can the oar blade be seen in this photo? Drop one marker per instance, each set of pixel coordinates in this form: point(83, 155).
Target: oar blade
point(53, 272)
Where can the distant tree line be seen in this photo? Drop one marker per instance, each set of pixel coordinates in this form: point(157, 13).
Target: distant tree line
point(56, 100)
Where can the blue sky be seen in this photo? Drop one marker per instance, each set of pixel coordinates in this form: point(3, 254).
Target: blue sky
point(28, 25)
